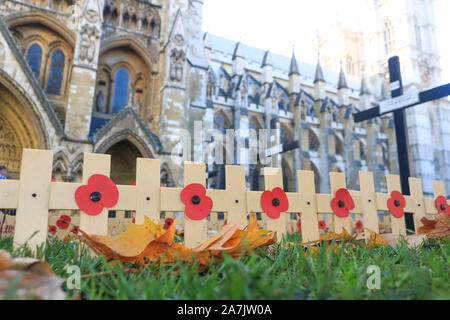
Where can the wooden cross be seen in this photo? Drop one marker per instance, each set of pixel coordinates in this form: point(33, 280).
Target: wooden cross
point(399, 102)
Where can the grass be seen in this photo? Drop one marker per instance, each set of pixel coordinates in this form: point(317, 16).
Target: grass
point(406, 273)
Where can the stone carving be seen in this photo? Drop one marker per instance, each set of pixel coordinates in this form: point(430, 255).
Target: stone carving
point(100, 104)
point(177, 58)
point(10, 147)
point(89, 36)
point(210, 86)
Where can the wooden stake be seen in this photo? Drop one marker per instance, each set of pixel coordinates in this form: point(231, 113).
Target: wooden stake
point(34, 195)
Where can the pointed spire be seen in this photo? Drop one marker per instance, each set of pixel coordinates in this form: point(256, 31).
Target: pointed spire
point(293, 69)
point(267, 59)
point(384, 95)
point(207, 40)
point(342, 80)
point(364, 89)
point(238, 53)
point(319, 73)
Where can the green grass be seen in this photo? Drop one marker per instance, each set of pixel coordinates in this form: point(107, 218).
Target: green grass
point(421, 273)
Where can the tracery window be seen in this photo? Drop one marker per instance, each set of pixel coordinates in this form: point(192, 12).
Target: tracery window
point(34, 59)
point(121, 87)
point(56, 74)
point(417, 32)
point(388, 37)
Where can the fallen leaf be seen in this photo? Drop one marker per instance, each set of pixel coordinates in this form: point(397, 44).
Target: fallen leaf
point(28, 278)
point(376, 240)
point(157, 245)
point(440, 227)
point(130, 243)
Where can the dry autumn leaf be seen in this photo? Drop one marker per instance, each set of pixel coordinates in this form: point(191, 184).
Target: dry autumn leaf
point(28, 278)
point(440, 227)
point(146, 244)
point(376, 239)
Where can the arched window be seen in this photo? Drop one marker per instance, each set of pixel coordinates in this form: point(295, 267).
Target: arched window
point(418, 34)
point(55, 77)
point(388, 37)
point(349, 63)
point(121, 86)
point(34, 59)
point(220, 123)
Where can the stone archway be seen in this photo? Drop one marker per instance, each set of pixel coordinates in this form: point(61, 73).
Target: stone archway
point(123, 162)
point(19, 128)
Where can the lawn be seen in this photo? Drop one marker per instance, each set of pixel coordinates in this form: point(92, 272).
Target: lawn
point(282, 273)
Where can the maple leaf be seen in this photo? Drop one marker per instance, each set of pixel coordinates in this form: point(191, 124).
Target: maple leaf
point(30, 278)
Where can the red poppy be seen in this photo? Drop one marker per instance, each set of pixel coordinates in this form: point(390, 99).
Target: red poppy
point(274, 202)
point(63, 222)
point(299, 224)
point(442, 205)
point(359, 225)
point(75, 229)
point(100, 192)
point(342, 203)
point(134, 220)
point(198, 205)
point(167, 223)
point(322, 225)
point(52, 230)
point(396, 204)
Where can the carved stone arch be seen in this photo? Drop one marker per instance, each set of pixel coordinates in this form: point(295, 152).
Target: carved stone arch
point(287, 127)
point(313, 138)
point(36, 17)
point(314, 167)
point(166, 176)
point(288, 174)
point(21, 124)
point(61, 162)
point(254, 119)
point(31, 110)
point(76, 166)
point(36, 38)
point(111, 12)
point(126, 134)
point(339, 142)
point(147, 55)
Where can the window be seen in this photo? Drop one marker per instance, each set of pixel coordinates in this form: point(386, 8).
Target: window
point(121, 86)
point(388, 37)
point(418, 34)
point(34, 58)
point(56, 74)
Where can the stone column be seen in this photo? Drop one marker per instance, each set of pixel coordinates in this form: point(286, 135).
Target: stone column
point(84, 71)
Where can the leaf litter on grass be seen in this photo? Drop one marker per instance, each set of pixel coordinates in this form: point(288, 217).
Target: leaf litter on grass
point(150, 243)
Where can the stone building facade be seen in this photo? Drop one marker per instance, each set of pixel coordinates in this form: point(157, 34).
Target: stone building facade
point(129, 78)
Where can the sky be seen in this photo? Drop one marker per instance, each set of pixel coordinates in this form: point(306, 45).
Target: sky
point(282, 25)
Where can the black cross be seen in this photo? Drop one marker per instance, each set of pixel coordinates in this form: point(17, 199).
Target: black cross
point(398, 104)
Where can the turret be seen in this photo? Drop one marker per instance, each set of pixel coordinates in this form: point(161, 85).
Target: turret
point(266, 65)
point(238, 60)
point(294, 76)
point(319, 82)
point(342, 89)
point(207, 45)
point(364, 93)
